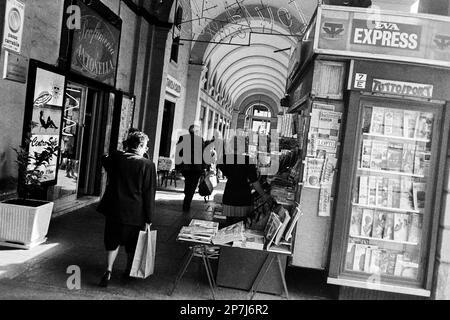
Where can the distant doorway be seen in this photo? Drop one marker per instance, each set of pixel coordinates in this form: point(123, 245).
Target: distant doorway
point(167, 129)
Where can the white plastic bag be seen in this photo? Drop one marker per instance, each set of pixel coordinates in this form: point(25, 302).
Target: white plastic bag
point(144, 256)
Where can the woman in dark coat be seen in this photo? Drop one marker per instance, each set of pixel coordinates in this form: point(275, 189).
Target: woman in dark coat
point(129, 200)
point(241, 175)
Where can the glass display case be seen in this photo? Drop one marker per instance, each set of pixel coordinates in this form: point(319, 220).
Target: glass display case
point(388, 221)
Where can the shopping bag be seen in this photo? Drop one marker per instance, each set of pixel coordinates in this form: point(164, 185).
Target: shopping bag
point(211, 179)
point(205, 188)
point(144, 256)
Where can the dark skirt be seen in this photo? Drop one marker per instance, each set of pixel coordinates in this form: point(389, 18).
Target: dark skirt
point(118, 234)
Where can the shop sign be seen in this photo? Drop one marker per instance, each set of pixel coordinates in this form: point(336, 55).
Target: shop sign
point(14, 20)
point(402, 88)
point(15, 67)
point(360, 80)
point(95, 47)
point(359, 33)
point(173, 86)
point(386, 34)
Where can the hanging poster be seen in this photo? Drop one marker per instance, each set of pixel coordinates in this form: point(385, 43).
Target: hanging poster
point(38, 145)
point(46, 119)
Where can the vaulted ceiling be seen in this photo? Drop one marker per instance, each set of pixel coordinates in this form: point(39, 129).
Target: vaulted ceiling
point(246, 45)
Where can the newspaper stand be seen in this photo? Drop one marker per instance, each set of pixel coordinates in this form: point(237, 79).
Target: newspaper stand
point(389, 78)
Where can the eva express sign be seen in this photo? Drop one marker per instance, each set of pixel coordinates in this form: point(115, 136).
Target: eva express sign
point(386, 34)
point(13, 30)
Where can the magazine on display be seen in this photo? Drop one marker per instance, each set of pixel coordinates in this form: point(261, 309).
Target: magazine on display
point(285, 218)
point(419, 195)
point(415, 228)
point(367, 223)
point(379, 220)
point(252, 240)
point(424, 126)
point(356, 222)
point(401, 226)
point(397, 126)
point(382, 192)
point(406, 194)
point(394, 157)
point(368, 257)
point(408, 156)
point(366, 154)
point(409, 123)
point(229, 234)
point(272, 228)
point(388, 231)
point(372, 191)
point(325, 201)
point(314, 172)
point(350, 257)
point(388, 122)
point(378, 158)
point(359, 257)
point(377, 123)
point(296, 214)
point(363, 190)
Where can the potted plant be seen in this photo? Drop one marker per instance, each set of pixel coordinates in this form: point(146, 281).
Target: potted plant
point(24, 221)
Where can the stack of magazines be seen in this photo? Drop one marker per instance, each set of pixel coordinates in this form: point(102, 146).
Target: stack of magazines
point(199, 231)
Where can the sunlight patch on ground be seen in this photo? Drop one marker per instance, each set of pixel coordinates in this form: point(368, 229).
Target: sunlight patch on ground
point(10, 257)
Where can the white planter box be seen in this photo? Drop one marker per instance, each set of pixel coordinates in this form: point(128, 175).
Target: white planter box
point(24, 226)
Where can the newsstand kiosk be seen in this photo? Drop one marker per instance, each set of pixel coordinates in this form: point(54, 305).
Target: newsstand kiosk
point(371, 94)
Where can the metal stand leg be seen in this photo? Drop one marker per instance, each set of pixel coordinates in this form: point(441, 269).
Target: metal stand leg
point(261, 274)
point(185, 265)
point(210, 276)
point(283, 280)
point(211, 271)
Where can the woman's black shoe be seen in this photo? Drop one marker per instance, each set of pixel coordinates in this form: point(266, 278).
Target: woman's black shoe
point(105, 279)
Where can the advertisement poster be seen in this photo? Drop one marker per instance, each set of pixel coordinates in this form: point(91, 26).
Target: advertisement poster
point(38, 145)
point(14, 20)
point(401, 36)
point(47, 116)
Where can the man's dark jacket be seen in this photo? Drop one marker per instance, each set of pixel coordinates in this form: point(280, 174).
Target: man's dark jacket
point(130, 193)
point(193, 161)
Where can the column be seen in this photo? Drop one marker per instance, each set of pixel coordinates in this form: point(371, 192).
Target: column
point(205, 124)
point(193, 87)
point(150, 118)
point(442, 270)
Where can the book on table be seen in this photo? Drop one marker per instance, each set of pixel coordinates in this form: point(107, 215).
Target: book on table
point(229, 234)
point(252, 239)
point(285, 218)
point(293, 223)
point(273, 226)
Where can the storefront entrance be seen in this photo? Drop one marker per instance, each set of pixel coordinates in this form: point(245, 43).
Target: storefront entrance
point(79, 174)
point(166, 134)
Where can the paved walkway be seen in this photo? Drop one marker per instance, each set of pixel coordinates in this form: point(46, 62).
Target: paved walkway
point(76, 239)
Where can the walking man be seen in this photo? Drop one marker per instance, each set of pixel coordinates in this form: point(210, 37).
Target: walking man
point(189, 160)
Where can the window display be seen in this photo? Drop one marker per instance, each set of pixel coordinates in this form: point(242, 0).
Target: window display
point(389, 193)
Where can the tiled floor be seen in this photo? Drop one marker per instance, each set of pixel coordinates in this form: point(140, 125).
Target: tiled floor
point(76, 239)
